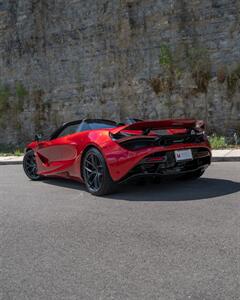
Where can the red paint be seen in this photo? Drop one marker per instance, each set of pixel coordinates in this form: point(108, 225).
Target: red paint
point(174, 125)
point(62, 156)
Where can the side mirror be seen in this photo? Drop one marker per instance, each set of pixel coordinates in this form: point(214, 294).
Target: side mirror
point(38, 137)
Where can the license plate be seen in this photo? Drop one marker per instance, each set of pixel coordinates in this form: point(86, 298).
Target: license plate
point(183, 154)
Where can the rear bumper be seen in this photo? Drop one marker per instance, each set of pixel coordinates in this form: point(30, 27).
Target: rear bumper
point(121, 162)
point(170, 172)
point(169, 166)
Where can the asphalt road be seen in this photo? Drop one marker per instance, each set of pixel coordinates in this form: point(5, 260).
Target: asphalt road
point(174, 240)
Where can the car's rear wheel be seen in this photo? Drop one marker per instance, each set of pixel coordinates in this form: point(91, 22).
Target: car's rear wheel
point(95, 173)
point(30, 166)
point(193, 175)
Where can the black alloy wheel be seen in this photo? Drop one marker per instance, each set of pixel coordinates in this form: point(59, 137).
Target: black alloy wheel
point(30, 166)
point(95, 173)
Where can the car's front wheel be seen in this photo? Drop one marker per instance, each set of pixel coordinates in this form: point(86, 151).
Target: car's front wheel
point(30, 166)
point(95, 173)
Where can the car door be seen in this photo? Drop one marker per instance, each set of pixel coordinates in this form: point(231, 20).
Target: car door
point(57, 155)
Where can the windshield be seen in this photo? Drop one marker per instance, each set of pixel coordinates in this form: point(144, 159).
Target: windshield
point(79, 126)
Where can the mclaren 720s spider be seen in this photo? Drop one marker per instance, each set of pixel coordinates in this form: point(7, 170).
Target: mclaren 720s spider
point(103, 153)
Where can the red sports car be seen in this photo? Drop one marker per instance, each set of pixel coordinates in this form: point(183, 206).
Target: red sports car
point(103, 153)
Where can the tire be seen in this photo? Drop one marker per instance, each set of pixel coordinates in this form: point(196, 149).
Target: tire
point(30, 166)
point(95, 173)
point(193, 175)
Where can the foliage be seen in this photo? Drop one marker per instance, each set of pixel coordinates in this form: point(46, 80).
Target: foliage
point(165, 57)
point(18, 152)
point(200, 65)
point(221, 74)
point(232, 77)
point(232, 80)
point(8, 150)
point(21, 91)
point(38, 116)
point(217, 142)
point(5, 93)
point(160, 85)
point(4, 96)
point(198, 61)
point(165, 83)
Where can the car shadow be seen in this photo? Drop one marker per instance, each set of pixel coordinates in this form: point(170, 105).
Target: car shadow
point(65, 183)
point(179, 190)
point(166, 190)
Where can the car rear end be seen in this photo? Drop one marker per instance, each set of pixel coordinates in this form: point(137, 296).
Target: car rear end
point(159, 148)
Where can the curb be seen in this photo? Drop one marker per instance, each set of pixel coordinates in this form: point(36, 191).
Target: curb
point(226, 159)
point(12, 162)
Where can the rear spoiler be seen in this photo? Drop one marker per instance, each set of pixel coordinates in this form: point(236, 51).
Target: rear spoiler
point(157, 125)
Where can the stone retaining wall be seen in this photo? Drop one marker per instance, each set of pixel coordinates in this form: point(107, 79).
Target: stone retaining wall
point(63, 60)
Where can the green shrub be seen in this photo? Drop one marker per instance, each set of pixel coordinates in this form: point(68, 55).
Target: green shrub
point(217, 142)
point(18, 152)
point(165, 57)
point(165, 82)
point(6, 150)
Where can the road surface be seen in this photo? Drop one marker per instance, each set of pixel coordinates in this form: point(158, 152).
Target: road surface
point(174, 240)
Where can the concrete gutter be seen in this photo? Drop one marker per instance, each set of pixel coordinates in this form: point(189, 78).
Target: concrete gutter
point(11, 160)
point(217, 156)
point(226, 155)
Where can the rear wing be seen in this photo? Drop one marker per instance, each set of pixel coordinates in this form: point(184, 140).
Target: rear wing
point(157, 125)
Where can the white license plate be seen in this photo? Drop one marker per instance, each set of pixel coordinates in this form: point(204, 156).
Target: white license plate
point(183, 154)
